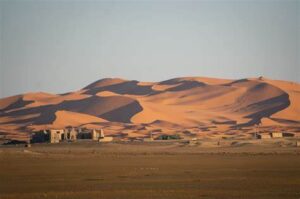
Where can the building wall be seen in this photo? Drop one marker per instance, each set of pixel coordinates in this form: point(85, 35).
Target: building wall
point(277, 135)
point(56, 135)
point(97, 134)
point(73, 134)
point(264, 136)
point(106, 139)
point(70, 134)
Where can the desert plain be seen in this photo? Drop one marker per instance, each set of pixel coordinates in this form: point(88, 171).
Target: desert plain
point(268, 169)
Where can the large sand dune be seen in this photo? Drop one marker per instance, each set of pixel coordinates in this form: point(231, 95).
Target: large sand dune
point(204, 104)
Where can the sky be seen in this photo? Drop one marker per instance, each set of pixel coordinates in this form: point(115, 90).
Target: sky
point(61, 46)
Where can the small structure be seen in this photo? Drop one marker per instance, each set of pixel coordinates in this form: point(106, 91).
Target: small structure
point(276, 135)
point(264, 136)
point(28, 145)
point(168, 137)
point(39, 136)
point(56, 135)
point(148, 139)
point(193, 141)
point(286, 134)
point(84, 134)
point(97, 134)
point(70, 134)
point(102, 137)
point(268, 135)
point(256, 133)
point(297, 143)
point(106, 139)
point(94, 134)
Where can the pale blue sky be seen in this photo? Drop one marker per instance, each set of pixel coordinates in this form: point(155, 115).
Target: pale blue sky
point(60, 46)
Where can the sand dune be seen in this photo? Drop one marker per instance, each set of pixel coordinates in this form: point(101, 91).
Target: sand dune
point(104, 82)
point(6, 102)
point(292, 112)
point(209, 104)
point(67, 118)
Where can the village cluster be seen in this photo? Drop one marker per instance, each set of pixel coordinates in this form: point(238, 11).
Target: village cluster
point(72, 134)
point(69, 134)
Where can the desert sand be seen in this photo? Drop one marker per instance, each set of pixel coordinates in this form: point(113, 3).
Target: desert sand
point(266, 170)
point(131, 108)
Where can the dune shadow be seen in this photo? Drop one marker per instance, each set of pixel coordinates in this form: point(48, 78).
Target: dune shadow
point(286, 121)
point(114, 108)
point(236, 82)
point(18, 104)
point(47, 115)
point(124, 113)
point(186, 85)
point(230, 122)
point(129, 87)
point(266, 109)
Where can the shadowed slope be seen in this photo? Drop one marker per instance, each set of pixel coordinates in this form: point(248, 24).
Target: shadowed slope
point(8, 101)
point(124, 113)
point(267, 108)
point(19, 103)
point(124, 87)
point(185, 85)
point(104, 82)
point(292, 112)
point(102, 107)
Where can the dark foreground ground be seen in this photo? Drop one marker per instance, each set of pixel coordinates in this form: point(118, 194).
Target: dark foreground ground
point(83, 170)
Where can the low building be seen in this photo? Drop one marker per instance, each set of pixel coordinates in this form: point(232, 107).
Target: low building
point(102, 137)
point(50, 135)
point(56, 135)
point(106, 139)
point(84, 134)
point(39, 137)
point(59, 135)
point(193, 141)
point(148, 139)
point(276, 135)
point(70, 134)
point(264, 136)
point(169, 137)
point(94, 134)
point(269, 135)
point(97, 134)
